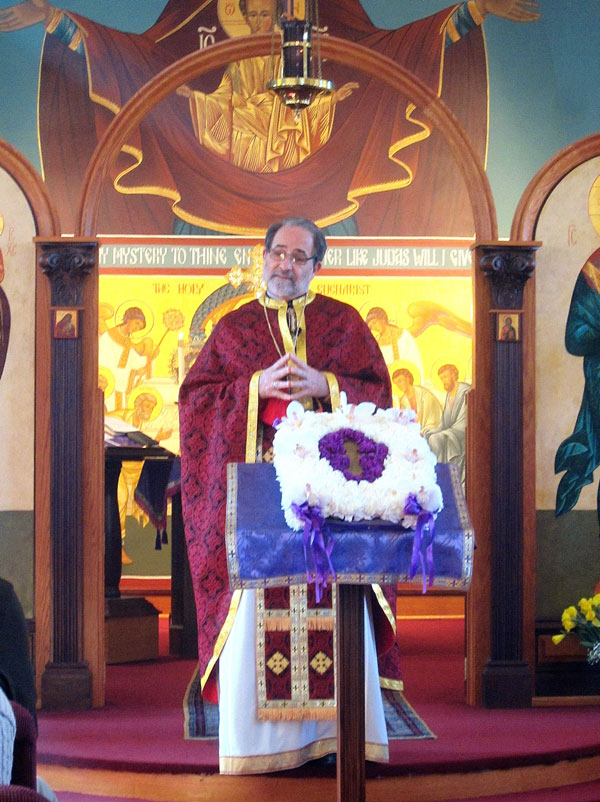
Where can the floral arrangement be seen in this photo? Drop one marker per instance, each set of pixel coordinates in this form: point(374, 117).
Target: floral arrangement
point(583, 621)
point(395, 464)
point(357, 463)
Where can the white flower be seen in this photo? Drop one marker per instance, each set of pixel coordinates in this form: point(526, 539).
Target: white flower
point(295, 411)
point(407, 470)
point(365, 409)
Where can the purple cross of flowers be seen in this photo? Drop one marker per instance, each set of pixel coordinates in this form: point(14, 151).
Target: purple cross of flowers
point(371, 454)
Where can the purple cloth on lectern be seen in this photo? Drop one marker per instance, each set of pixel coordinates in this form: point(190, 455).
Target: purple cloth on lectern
point(263, 552)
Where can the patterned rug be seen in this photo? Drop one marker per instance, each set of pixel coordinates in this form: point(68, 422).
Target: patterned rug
point(202, 718)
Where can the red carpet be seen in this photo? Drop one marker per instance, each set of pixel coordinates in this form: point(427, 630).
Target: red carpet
point(582, 792)
point(141, 726)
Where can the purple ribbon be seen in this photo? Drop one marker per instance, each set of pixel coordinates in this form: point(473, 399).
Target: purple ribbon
point(318, 545)
point(425, 521)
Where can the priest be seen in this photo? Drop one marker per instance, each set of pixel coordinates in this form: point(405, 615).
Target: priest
point(289, 344)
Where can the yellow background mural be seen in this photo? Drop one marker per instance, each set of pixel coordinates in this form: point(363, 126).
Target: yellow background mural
point(151, 350)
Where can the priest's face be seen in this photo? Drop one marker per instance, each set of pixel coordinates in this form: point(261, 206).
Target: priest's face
point(289, 265)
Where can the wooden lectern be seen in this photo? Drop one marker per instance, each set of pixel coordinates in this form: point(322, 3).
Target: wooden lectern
point(263, 552)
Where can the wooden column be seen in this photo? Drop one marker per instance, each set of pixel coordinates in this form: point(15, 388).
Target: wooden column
point(66, 681)
point(507, 677)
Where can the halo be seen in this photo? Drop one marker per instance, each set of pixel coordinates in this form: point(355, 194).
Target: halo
point(366, 307)
point(404, 363)
point(446, 360)
point(469, 370)
point(594, 204)
point(110, 380)
point(148, 314)
point(145, 388)
point(231, 19)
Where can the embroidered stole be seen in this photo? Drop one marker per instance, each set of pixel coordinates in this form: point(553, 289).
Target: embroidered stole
point(296, 653)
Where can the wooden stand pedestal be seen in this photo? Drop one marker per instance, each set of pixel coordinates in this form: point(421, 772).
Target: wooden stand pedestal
point(131, 630)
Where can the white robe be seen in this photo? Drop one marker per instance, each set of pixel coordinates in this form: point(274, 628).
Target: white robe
point(248, 745)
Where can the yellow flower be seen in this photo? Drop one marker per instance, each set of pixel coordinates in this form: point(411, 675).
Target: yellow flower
point(596, 599)
point(585, 605)
point(568, 618)
point(590, 615)
point(556, 639)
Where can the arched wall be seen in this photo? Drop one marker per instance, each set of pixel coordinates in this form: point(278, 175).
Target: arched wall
point(46, 224)
point(525, 227)
point(34, 189)
point(541, 185)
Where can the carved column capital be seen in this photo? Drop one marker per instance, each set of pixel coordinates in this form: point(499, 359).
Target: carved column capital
point(67, 263)
point(508, 266)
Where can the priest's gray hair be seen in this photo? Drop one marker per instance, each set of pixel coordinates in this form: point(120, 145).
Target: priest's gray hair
point(319, 241)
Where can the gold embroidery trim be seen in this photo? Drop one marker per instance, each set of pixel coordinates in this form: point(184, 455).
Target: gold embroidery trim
point(288, 343)
point(474, 12)
point(392, 684)
point(54, 20)
point(75, 41)
point(300, 309)
point(451, 30)
point(273, 303)
point(223, 635)
point(383, 603)
point(276, 623)
point(252, 422)
point(300, 305)
point(334, 390)
point(259, 764)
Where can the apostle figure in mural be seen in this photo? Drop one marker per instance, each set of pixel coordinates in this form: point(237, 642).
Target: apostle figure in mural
point(579, 454)
point(395, 342)
point(422, 401)
point(375, 167)
point(129, 359)
point(448, 440)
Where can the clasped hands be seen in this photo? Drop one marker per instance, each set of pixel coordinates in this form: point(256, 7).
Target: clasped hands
point(292, 379)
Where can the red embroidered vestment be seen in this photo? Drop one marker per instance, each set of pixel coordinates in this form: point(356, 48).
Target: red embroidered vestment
point(213, 406)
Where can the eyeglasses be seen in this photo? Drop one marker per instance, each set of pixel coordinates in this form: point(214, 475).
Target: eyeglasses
point(296, 257)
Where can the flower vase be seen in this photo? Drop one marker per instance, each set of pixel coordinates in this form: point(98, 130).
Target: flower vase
point(593, 656)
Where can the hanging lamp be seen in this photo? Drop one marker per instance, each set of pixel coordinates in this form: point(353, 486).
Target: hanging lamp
point(300, 78)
